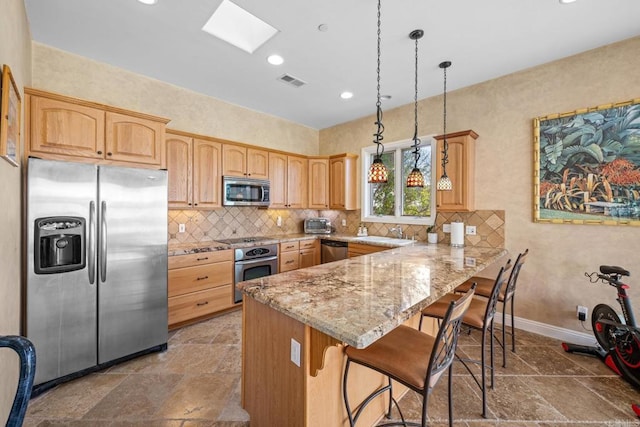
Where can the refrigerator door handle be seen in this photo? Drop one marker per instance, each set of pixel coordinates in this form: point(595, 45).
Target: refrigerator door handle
point(91, 244)
point(103, 242)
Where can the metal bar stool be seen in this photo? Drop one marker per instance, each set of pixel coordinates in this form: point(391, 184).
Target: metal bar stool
point(412, 358)
point(484, 287)
point(27, 354)
point(480, 317)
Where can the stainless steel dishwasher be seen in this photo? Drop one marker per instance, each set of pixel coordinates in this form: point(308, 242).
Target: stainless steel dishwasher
point(333, 250)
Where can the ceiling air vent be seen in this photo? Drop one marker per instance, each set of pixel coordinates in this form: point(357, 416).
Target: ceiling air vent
point(290, 80)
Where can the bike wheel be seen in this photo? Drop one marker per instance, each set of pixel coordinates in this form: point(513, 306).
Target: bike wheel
point(604, 333)
point(631, 375)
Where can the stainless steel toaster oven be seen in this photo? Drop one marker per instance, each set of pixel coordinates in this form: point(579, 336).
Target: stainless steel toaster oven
point(317, 226)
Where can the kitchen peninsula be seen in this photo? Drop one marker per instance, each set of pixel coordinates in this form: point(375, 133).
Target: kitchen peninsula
point(296, 324)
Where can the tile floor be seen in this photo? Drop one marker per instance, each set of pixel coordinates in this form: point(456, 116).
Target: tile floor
point(196, 383)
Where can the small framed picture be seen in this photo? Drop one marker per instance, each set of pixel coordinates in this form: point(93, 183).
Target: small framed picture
point(10, 108)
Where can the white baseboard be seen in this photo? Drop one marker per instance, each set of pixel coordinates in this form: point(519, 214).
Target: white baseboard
point(562, 334)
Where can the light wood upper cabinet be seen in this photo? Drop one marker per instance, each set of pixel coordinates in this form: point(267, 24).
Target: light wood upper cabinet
point(245, 162)
point(297, 182)
point(461, 171)
point(343, 182)
point(278, 180)
point(288, 178)
point(318, 183)
point(59, 127)
point(133, 139)
point(194, 172)
point(179, 161)
point(207, 180)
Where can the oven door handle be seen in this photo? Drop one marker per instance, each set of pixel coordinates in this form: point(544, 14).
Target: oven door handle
point(257, 260)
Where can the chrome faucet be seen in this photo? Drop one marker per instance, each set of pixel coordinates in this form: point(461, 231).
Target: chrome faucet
point(397, 229)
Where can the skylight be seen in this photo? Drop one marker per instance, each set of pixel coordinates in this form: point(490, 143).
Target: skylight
point(238, 27)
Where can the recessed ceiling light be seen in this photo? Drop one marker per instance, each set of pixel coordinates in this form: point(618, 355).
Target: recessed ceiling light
point(238, 27)
point(323, 28)
point(346, 95)
point(566, 1)
point(275, 60)
point(148, 1)
point(385, 97)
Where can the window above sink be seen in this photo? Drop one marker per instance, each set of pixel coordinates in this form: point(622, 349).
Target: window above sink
point(380, 202)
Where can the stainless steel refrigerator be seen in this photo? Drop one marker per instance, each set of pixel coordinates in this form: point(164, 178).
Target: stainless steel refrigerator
point(96, 280)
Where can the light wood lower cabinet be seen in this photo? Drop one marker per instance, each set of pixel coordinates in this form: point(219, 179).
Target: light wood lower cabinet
point(357, 249)
point(299, 254)
point(199, 285)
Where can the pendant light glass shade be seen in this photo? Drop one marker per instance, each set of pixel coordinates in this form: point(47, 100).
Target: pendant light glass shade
point(444, 183)
point(378, 173)
point(415, 178)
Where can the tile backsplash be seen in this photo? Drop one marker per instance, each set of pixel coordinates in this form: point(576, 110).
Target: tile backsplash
point(230, 222)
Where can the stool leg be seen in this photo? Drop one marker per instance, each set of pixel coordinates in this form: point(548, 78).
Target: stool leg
point(450, 399)
point(504, 335)
point(513, 327)
point(344, 393)
point(484, 373)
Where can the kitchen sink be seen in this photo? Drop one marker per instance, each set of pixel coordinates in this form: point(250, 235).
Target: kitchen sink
point(385, 240)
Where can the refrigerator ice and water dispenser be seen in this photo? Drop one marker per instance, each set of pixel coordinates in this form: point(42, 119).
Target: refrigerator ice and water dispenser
point(59, 244)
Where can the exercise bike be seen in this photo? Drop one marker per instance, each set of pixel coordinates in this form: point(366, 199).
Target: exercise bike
point(618, 339)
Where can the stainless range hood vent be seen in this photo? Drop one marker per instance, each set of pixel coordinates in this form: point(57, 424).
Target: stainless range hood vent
point(290, 80)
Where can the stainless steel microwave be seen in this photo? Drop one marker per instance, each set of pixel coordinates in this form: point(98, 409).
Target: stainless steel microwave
point(244, 191)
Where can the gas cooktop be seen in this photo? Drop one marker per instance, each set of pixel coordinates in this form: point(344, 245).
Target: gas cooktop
point(242, 240)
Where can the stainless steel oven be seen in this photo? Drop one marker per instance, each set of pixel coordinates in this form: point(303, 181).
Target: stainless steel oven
point(253, 262)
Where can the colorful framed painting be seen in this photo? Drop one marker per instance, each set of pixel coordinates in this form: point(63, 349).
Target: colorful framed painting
point(9, 118)
point(587, 166)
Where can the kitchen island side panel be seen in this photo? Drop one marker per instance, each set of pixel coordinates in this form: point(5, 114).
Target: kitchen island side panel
point(272, 385)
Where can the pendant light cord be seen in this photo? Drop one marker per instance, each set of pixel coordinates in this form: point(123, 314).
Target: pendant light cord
point(378, 135)
point(416, 141)
point(445, 151)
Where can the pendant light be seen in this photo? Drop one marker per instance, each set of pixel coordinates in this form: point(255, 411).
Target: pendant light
point(445, 183)
point(415, 178)
point(378, 173)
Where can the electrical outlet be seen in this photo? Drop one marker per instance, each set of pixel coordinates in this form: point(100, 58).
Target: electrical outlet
point(279, 221)
point(344, 222)
point(295, 352)
point(582, 312)
point(471, 230)
point(446, 228)
point(181, 228)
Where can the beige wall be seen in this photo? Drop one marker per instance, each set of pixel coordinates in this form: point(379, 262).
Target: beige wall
point(501, 112)
point(15, 51)
point(58, 71)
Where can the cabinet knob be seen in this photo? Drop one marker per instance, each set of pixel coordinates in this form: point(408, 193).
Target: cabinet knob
point(202, 259)
point(289, 262)
point(200, 304)
point(248, 174)
point(195, 204)
point(99, 152)
point(109, 154)
point(203, 278)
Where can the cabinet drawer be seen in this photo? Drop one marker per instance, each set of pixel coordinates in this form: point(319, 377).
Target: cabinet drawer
point(190, 279)
point(191, 260)
point(289, 246)
point(308, 244)
point(289, 261)
point(196, 304)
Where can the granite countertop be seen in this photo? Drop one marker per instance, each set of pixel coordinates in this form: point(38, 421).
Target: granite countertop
point(191, 248)
point(194, 248)
point(360, 299)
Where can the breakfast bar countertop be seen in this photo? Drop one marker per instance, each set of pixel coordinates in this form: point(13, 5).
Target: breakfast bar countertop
point(360, 299)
